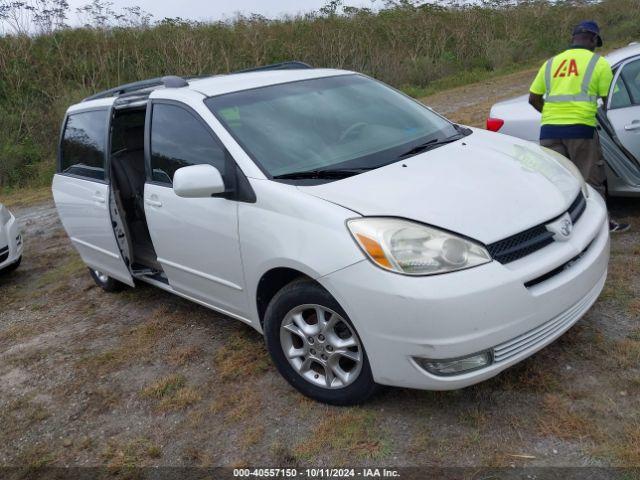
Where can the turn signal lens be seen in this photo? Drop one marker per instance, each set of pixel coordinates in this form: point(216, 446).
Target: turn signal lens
point(374, 250)
point(494, 124)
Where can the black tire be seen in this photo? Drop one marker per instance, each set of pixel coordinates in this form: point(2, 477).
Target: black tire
point(296, 294)
point(12, 267)
point(106, 283)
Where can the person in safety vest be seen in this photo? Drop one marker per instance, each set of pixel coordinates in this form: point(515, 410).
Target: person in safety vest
point(566, 91)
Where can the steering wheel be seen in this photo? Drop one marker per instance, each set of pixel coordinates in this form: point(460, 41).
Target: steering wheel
point(349, 131)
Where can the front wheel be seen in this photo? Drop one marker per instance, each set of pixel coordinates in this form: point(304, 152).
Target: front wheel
point(316, 347)
point(105, 282)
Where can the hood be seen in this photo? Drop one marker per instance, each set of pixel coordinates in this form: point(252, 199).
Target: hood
point(486, 186)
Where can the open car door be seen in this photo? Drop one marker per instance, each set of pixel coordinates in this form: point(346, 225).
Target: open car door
point(620, 129)
point(81, 192)
point(624, 170)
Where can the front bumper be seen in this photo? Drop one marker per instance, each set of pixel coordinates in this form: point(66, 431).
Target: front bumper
point(485, 308)
point(11, 243)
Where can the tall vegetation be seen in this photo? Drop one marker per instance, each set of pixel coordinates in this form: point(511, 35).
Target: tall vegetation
point(404, 43)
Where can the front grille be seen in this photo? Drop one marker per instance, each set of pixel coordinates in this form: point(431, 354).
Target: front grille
point(538, 335)
point(577, 208)
point(525, 243)
point(4, 254)
point(521, 244)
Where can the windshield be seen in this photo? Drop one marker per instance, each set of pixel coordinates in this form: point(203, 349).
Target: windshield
point(341, 122)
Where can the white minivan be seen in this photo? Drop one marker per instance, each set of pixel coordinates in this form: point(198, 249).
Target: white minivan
point(372, 241)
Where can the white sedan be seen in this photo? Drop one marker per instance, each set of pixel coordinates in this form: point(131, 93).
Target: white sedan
point(372, 241)
point(10, 241)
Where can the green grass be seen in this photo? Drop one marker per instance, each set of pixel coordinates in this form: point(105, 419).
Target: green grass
point(465, 77)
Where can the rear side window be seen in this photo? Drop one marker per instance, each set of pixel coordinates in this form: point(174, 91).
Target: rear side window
point(631, 76)
point(620, 97)
point(83, 144)
point(179, 139)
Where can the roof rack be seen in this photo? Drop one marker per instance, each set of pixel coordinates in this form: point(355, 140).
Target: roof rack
point(172, 81)
point(291, 65)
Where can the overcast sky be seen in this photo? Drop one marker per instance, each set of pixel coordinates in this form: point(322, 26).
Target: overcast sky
point(221, 9)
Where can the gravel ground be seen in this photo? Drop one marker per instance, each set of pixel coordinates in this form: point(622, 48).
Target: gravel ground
point(143, 378)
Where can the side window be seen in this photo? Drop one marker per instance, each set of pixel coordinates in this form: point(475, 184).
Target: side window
point(179, 139)
point(620, 96)
point(631, 76)
point(83, 140)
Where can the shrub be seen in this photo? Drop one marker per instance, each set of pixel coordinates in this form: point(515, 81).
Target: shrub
point(407, 45)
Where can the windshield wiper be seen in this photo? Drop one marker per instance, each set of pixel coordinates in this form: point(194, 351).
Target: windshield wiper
point(323, 173)
point(423, 147)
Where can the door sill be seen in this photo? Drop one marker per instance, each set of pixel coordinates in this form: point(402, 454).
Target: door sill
point(160, 281)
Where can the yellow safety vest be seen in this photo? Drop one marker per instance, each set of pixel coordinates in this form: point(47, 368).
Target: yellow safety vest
point(571, 83)
point(557, 80)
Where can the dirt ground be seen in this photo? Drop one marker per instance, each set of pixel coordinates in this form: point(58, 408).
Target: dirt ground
point(145, 378)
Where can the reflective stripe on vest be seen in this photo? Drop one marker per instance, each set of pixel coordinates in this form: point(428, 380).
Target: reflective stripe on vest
point(583, 96)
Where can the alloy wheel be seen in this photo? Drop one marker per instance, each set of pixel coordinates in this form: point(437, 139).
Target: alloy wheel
point(321, 346)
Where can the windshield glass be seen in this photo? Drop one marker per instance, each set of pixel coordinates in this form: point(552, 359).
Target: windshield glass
point(341, 122)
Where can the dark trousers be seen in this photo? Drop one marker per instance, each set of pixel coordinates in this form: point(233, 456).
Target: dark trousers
point(586, 154)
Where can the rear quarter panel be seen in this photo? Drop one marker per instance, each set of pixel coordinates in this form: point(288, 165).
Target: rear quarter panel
point(520, 119)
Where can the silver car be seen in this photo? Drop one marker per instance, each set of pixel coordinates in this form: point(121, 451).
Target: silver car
point(619, 122)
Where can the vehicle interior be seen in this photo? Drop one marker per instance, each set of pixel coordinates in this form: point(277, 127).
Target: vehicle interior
point(127, 169)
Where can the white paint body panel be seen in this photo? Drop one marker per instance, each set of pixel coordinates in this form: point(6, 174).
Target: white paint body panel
point(288, 228)
point(83, 209)
point(457, 314)
point(485, 186)
point(196, 240)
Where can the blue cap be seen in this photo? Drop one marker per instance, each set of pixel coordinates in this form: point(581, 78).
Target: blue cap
point(589, 26)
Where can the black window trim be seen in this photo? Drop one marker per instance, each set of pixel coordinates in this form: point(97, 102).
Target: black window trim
point(237, 186)
point(107, 126)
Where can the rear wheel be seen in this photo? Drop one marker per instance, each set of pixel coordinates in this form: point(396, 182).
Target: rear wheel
point(316, 347)
point(105, 282)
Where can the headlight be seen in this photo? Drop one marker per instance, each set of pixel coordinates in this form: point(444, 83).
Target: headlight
point(5, 216)
point(411, 248)
point(569, 165)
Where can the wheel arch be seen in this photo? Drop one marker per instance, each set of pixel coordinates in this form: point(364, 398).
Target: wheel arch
point(271, 282)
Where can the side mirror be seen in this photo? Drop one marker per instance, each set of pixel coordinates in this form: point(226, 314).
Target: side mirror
point(198, 181)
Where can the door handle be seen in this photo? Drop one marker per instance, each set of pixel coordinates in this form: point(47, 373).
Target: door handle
point(634, 126)
point(153, 203)
point(98, 198)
